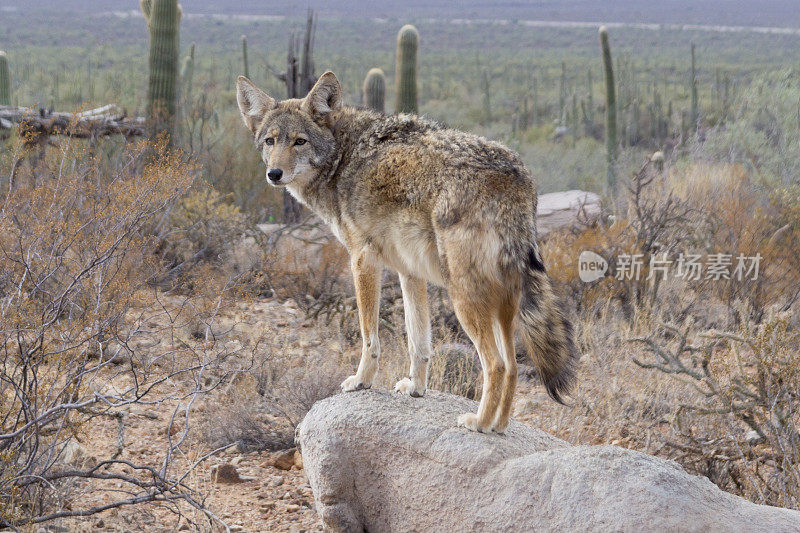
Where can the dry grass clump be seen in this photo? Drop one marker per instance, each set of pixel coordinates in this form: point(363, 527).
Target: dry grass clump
point(314, 272)
point(207, 237)
point(734, 214)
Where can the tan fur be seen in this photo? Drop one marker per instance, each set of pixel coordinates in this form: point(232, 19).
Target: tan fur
point(367, 276)
point(436, 205)
point(418, 331)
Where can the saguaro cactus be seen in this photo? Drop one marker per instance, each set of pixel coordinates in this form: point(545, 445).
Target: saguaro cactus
point(163, 19)
point(375, 89)
point(590, 84)
point(726, 98)
point(693, 81)
point(5, 80)
point(631, 135)
point(246, 70)
point(668, 120)
point(562, 94)
point(574, 117)
point(611, 108)
point(406, 69)
point(684, 127)
point(146, 7)
point(486, 89)
point(187, 73)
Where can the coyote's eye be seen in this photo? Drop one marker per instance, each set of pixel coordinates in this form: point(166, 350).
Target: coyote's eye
point(269, 141)
point(300, 142)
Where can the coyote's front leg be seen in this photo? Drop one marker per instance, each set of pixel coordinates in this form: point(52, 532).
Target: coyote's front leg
point(418, 331)
point(367, 272)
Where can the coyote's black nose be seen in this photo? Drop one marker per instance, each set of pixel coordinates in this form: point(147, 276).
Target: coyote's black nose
point(275, 174)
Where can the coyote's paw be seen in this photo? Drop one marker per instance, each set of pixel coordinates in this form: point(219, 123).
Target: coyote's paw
point(500, 427)
point(354, 383)
point(470, 421)
point(406, 386)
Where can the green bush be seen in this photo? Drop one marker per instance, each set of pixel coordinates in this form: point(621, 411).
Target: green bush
point(560, 167)
point(764, 133)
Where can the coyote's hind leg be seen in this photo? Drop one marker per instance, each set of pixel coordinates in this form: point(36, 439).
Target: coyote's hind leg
point(418, 331)
point(504, 336)
point(476, 316)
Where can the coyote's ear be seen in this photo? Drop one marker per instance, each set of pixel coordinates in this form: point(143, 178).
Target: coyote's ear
point(253, 102)
point(324, 97)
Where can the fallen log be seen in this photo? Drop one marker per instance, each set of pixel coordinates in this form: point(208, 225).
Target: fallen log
point(106, 120)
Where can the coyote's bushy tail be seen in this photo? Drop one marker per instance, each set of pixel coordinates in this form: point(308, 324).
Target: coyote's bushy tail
point(545, 331)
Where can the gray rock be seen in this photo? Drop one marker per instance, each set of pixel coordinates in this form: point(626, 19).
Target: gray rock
point(753, 438)
point(381, 461)
point(566, 209)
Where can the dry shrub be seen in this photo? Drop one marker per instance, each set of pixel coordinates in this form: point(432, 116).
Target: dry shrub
point(308, 265)
point(209, 238)
point(742, 428)
point(698, 209)
point(261, 409)
point(203, 226)
point(724, 404)
point(782, 249)
point(733, 215)
point(561, 251)
point(77, 305)
point(654, 222)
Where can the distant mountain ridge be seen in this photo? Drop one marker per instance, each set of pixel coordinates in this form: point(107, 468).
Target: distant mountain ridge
point(778, 13)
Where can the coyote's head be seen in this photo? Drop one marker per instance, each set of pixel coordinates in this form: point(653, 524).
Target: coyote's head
point(294, 136)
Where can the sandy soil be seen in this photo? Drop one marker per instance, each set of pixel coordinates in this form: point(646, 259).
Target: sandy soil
point(264, 497)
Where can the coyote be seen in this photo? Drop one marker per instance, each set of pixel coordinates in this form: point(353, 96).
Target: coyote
point(436, 205)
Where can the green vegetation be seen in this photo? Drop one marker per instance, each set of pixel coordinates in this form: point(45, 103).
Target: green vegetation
point(69, 71)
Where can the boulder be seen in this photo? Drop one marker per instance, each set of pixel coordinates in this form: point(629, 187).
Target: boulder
point(566, 209)
point(381, 461)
